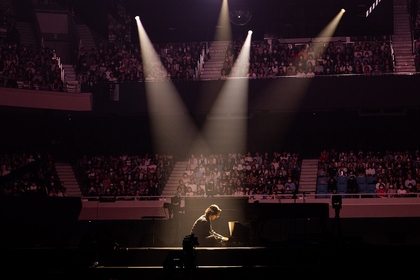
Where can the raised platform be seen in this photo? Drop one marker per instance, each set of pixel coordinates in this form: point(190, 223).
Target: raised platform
point(364, 206)
point(289, 258)
point(44, 238)
point(56, 222)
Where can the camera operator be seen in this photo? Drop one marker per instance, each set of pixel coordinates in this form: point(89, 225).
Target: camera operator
point(202, 227)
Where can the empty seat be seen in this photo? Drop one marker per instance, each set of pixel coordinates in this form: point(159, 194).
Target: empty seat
point(371, 189)
point(341, 188)
point(342, 180)
point(371, 179)
point(361, 180)
point(322, 191)
point(321, 188)
point(362, 187)
point(322, 180)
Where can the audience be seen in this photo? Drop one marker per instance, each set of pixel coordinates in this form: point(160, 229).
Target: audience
point(25, 66)
point(393, 174)
point(269, 58)
point(41, 181)
point(212, 175)
point(124, 175)
point(29, 67)
point(364, 56)
point(119, 59)
point(396, 174)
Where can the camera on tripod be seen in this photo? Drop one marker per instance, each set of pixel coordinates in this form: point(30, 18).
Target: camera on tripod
point(336, 201)
point(185, 259)
point(189, 242)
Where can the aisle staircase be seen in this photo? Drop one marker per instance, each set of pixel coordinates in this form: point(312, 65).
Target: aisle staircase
point(212, 67)
point(66, 174)
point(402, 43)
point(86, 37)
point(308, 175)
point(71, 83)
point(176, 175)
point(27, 34)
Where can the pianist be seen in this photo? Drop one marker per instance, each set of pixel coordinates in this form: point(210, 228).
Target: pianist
point(202, 228)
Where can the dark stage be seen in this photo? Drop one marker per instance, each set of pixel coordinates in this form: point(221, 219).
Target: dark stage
point(210, 263)
point(267, 239)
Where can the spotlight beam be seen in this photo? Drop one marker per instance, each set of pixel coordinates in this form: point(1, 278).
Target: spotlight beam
point(226, 125)
point(171, 125)
point(223, 30)
point(329, 30)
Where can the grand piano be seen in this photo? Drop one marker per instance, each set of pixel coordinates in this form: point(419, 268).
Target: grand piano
point(249, 224)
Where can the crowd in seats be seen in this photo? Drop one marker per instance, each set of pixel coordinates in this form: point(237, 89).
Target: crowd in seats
point(121, 60)
point(119, 25)
point(361, 56)
point(42, 181)
point(129, 176)
point(26, 67)
point(241, 175)
point(115, 62)
point(382, 174)
point(7, 23)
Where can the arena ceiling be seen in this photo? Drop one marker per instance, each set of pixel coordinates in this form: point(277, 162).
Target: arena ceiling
point(196, 19)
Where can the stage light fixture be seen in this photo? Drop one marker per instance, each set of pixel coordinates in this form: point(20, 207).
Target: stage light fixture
point(240, 17)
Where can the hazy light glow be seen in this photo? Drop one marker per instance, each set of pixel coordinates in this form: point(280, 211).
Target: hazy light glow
point(225, 128)
point(223, 31)
point(291, 92)
point(241, 66)
point(329, 30)
point(171, 125)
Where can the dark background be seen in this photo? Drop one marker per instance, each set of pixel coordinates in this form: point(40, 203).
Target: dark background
point(195, 20)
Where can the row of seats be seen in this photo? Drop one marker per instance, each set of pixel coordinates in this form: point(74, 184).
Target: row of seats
point(343, 180)
point(364, 188)
point(366, 185)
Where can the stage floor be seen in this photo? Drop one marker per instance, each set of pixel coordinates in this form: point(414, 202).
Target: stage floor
point(137, 263)
point(48, 246)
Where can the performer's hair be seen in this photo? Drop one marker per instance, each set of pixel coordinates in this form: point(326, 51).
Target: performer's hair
point(212, 210)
